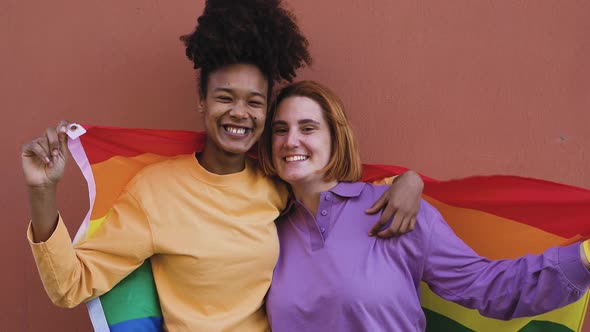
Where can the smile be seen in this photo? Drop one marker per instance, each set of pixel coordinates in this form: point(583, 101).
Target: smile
point(296, 158)
point(235, 130)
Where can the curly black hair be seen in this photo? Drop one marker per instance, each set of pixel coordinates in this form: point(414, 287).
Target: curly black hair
point(258, 32)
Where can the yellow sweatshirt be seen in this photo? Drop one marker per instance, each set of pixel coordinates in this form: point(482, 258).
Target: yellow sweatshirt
point(211, 238)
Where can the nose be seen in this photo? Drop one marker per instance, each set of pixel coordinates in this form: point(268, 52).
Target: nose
point(239, 111)
point(292, 140)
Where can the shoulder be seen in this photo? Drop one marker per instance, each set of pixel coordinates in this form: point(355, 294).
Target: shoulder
point(427, 211)
point(161, 168)
point(254, 170)
point(372, 189)
point(366, 191)
point(429, 220)
point(160, 173)
point(277, 191)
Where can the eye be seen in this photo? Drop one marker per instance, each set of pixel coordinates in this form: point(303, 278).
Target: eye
point(308, 129)
point(224, 99)
point(256, 103)
point(279, 131)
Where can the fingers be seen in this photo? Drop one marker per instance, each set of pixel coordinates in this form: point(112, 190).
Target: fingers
point(387, 214)
point(406, 226)
point(401, 225)
point(52, 141)
point(388, 233)
point(62, 128)
point(39, 149)
point(52, 144)
point(62, 125)
point(392, 230)
point(378, 205)
point(376, 228)
point(412, 224)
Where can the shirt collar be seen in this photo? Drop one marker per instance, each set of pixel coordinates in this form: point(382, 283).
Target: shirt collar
point(342, 189)
point(348, 189)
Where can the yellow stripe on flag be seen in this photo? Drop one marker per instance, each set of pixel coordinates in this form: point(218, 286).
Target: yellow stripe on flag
point(568, 316)
point(96, 223)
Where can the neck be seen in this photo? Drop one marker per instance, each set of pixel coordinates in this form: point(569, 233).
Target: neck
point(309, 194)
point(221, 162)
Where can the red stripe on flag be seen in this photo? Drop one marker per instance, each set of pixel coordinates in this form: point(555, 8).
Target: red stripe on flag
point(556, 208)
point(559, 209)
point(105, 142)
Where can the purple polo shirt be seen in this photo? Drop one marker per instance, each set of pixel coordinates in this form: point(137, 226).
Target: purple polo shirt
point(331, 276)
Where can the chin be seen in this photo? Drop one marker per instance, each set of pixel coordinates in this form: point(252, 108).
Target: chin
point(291, 179)
point(239, 149)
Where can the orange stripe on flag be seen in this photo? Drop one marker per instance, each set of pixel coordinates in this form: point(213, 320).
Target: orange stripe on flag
point(486, 233)
point(112, 175)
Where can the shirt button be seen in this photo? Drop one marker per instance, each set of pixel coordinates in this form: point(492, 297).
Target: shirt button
point(323, 230)
point(328, 197)
point(324, 212)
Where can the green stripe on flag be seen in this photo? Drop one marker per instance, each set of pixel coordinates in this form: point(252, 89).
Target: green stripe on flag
point(436, 322)
point(544, 326)
point(134, 297)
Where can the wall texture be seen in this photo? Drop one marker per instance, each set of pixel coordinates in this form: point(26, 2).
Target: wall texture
point(450, 88)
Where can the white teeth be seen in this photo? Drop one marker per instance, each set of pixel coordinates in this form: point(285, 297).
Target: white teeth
point(296, 158)
point(234, 130)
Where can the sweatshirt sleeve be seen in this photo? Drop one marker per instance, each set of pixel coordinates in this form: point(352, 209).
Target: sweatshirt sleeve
point(74, 274)
point(504, 289)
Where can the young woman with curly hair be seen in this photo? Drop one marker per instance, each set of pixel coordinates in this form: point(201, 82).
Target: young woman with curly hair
point(206, 220)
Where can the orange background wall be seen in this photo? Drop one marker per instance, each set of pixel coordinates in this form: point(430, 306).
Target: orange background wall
point(449, 88)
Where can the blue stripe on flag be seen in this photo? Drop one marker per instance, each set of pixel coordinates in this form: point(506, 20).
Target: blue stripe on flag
point(147, 324)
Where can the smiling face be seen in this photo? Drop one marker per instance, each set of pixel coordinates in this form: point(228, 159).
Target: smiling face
point(301, 141)
point(234, 108)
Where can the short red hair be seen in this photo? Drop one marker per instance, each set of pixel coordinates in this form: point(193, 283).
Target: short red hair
point(345, 162)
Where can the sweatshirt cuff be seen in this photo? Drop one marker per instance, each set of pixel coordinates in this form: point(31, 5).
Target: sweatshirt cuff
point(59, 236)
point(572, 266)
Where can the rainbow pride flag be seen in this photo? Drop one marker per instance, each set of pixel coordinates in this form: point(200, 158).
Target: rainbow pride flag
point(498, 216)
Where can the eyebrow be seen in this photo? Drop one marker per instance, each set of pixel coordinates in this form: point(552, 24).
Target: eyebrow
point(231, 91)
point(300, 122)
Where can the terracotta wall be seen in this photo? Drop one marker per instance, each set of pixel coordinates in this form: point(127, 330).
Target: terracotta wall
point(449, 88)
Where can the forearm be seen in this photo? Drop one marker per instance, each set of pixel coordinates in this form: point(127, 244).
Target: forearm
point(503, 289)
point(43, 209)
point(73, 275)
point(529, 285)
point(59, 267)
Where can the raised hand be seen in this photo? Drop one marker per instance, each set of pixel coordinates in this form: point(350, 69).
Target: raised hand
point(44, 158)
point(43, 161)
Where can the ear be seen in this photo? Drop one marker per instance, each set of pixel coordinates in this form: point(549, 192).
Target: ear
point(201, 106)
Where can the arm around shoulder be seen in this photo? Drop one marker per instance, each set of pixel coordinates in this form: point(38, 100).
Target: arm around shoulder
point(401, 202)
